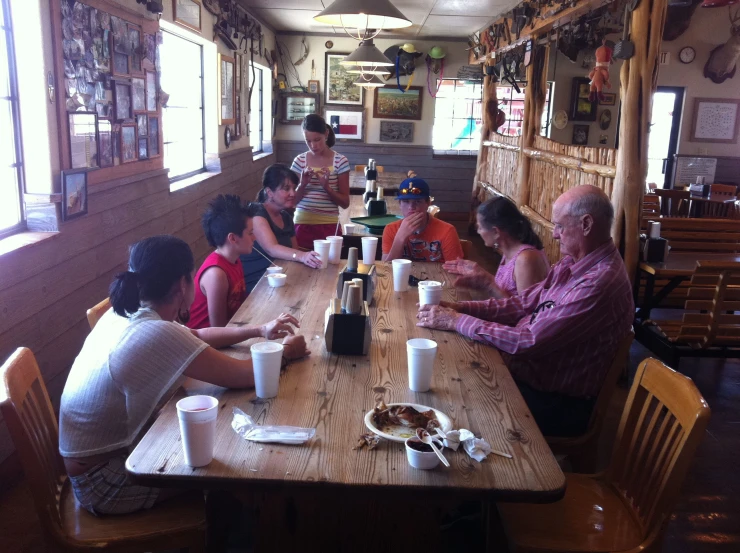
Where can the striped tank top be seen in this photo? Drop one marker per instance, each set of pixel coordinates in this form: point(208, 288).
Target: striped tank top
point(316, 208)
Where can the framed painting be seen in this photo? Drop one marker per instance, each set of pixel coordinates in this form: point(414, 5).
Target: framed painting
point(105, 140)
point(339, 87)
point(142, 126)
point(122, 96)
point(608, 99)
point(715, 120)
point(187, 13)
point(294, 106)
point(74, 194)
point(347, 122)
point(151, 91)
point(391, 103)
point(154, 137)
point(143, 148)
point(138, 94)
point(581, 108)
point(226, 89)
point(128, 143)
point(396, 131)
point(580, 135)
point(83, 140)
point(134, 36)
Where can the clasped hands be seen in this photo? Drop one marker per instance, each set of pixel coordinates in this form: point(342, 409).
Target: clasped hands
point(322, 175)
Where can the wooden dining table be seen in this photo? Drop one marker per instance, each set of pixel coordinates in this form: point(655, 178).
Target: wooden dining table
point(332, 393)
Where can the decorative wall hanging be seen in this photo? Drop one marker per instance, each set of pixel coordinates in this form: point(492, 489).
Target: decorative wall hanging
point(226, 89)
point(313, 87)
point(396, 131)
point(580, 135)
point(608, 99)
point(83, 140)
point(128, 143)
point(294, 106)
point(74, 194)
point(187, 13)
point(599, 75)
point(347, 122)
point(581, 108)
point(391, 103)
point(715, 120)
point(605, 119)
point(339, 85)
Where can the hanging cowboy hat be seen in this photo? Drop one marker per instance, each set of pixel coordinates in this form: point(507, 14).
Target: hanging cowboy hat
point(437, 53)
point(408, 48)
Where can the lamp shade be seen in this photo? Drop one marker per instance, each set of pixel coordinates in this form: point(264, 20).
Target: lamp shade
point(370, 70)
point(369, 81)
point(367, 54)
point(363, 14)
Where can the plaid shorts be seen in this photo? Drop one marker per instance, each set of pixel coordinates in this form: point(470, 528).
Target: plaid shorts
point(106, 490)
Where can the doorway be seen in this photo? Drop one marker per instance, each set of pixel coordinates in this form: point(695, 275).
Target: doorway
point(663, 140)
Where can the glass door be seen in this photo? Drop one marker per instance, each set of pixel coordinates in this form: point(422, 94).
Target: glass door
point(663, 140)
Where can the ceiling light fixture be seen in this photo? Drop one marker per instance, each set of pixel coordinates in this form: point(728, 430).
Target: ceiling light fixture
point(369, 81)
point(366, 17)
point(366, 56)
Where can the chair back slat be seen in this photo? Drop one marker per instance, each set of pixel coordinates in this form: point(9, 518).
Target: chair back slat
point(662, 424)
point(95, 313)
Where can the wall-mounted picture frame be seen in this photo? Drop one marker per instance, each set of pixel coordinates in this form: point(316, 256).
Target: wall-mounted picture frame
point(238, 119)
point(226, 93)
point(294, 106)
point(143, 148)
point(238, 68)
point(154, 150)
point(122, 99)
point(142, 124)
point(128, 143)
point(581, 108)
point(347, 122)
point(135, 36)
point(313, 87)
point(138, 94)
point(391, 103)
point(608, 99)
point(83, 139)
point(580, 135)
point(151, 91)
point(105, 143)
point(187, 13)
point(339, 87)
point(715, 120)
point(74, 194)
point(396, 131)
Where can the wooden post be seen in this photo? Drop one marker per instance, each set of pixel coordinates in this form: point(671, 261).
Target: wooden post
point(490, 108)
point(638, 81)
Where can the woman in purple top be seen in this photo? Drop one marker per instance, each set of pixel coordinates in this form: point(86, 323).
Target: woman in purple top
point(523, 263)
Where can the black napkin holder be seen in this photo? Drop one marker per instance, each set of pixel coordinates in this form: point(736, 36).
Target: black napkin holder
point(376, 207)
point(347, 333)
point(368, 275)
point(655, 250)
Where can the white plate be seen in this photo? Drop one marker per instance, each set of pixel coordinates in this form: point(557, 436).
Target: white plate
point(398, 433)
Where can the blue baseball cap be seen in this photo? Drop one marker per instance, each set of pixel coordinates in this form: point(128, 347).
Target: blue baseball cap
point(413, 189)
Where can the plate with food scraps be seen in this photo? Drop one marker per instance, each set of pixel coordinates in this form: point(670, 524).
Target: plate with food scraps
point(386, 428)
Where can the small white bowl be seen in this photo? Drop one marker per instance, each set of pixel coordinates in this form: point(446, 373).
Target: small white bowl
point(277, 280)
point(420, 459)
point(273, 270)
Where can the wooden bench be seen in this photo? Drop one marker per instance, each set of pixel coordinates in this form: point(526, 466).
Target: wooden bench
point(710, 325)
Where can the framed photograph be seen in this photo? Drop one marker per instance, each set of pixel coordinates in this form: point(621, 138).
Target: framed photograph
point(610, 99)
point(134, 36)
point(153, 136)
point(151, 91)
point(238, 73)
point(83, 139)
point(581, 108)
point(226, 89)
point(347, 122)
point(104, 111)
point(294, 106)
point(238, 120)
point(313, 87)
point(391, 103)
point(187, 13)
point(580, 135)
point(143, 148)
point(142, 127)
point(138, 94)
point(715, 120)
point(122, 97)
point(74, 194)
point(128, 143)
point(120, 66)
point(339, 87)
point(396, 131)
point(105, 140)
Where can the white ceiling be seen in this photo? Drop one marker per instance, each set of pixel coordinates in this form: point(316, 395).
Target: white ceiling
point(430, 18)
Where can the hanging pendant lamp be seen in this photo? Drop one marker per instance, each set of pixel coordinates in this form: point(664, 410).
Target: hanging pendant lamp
point(367, 54)
point(366, 17)
point(369, 81)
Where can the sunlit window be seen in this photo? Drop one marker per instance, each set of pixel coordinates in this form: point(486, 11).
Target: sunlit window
point(457, 117)
point(11, 159)
point(182, 119)
point(256, 131)
point(511, 103)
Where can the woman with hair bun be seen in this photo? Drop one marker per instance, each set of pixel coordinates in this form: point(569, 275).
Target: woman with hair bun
point(523, 262)
point(135, 353)
point(323, 183)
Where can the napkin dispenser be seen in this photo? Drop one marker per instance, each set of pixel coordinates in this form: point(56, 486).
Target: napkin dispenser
point(366, 273)
point(347, 333)
point(655, 250)
point(376, 207)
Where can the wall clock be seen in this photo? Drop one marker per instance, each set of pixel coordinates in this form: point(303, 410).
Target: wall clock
point(687, 54)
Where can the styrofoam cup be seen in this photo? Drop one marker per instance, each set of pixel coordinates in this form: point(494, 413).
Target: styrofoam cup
point(424, 460)
point(369, 247)
point(273, 270)
point(430, 292)
point(335, 249)
point(266, 358)
point(421, 353)
point(401, 272)
point(197, 416)
point(321, 247)
point(349, 228)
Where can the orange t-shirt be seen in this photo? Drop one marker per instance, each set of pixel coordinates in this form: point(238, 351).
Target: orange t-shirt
point(236, 295)
point(437, 242)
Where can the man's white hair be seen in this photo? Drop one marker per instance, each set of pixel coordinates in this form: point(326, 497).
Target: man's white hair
point(596, 204)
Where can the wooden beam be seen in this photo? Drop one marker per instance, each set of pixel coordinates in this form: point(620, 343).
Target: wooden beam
point(561, 160)
point(532, 215)
point(501, 145)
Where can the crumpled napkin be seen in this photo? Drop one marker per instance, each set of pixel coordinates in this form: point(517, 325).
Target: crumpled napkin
point(245, 426)
point(476, 448)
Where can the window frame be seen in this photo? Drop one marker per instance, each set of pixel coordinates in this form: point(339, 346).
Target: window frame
point(15, 116)
point(447, 152)
point(260, 92)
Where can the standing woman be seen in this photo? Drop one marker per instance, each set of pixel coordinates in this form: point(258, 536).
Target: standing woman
point(523, 263)
point(273, 227)
point(323, 183)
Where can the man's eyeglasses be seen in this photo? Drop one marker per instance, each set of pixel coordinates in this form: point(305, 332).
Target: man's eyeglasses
point(549, 304)
point(413, 190)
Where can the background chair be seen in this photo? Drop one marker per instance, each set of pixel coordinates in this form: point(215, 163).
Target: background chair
point(673, 203)
point(582, 451)
point(467, 248)
point(94, 313)
point(361, 168)
point(627, 507)
point(28, 413)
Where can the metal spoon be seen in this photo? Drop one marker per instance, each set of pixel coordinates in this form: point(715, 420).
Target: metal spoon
point(425, 437)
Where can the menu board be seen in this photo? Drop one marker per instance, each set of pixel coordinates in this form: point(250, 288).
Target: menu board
point(688, 168)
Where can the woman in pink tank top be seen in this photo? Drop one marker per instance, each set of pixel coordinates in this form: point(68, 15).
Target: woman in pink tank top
point(523, 261)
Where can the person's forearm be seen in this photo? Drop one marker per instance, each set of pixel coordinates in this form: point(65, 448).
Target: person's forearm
point(396, 251)
point(228, 336)
point(279, 251)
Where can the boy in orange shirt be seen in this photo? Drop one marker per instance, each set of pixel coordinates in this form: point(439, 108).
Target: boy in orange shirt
point(419, 236)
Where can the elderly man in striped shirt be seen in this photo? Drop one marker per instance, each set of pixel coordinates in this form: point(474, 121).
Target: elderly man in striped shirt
point(558, 337)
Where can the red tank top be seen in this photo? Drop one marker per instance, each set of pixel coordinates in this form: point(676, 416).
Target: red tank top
point(237, 290)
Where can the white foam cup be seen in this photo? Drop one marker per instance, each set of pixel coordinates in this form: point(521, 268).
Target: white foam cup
point(401, 272)
point(430, 292)
point(369, 247)
point(266, 358)
point(424, 460)
point(349, 228)
point(273, 270)
point(197, 416)
point(335, 249)
point(321, 247)
point(421, 354)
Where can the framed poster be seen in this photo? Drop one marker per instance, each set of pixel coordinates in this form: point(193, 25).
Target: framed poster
point(151, 91)
point(138, 94)
point(347, 122)
point(581, 108)
point(83, 139)
point(294, 106)
point(74, 194)
point(226, 89)
point(142, 126)
point(391, 103)
point(187, 13)
point(128, 143)
point(339, 87)
point(715, 120)
point(122, 96)
point(134, 35)
point(396, 131)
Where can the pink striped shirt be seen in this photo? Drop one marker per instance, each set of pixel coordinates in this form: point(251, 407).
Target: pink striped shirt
point(505, 274)
point(561, 334)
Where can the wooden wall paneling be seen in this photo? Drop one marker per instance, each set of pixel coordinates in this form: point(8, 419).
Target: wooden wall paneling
point(490, 112)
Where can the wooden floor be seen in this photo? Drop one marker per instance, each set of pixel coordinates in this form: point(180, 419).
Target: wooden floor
point(706, 519)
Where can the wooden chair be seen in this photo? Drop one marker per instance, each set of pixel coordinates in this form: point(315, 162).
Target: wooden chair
point(467, 248)
point(673, 203)
point(94, 313)
point(582, 451)
point(650, 205)
point(30, 418)
point(361, 168)
point(627, 507)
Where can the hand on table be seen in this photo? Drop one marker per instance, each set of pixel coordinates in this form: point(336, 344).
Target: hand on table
point(411, 224)
point(280, 327)
point(440, 317)
point(310, 259)
point(294, 347)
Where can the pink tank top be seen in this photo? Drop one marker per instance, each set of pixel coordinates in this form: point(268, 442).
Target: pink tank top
point(505, 274)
